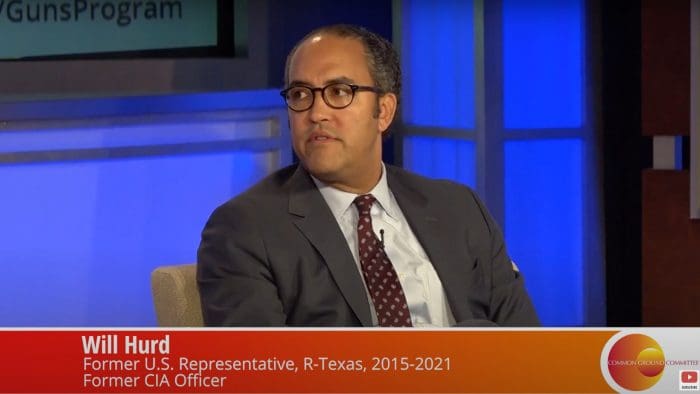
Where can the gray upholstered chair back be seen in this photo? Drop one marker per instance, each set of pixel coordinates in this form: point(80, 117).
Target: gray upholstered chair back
point(176, 296)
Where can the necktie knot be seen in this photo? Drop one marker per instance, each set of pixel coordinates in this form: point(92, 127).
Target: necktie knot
point(364, 204)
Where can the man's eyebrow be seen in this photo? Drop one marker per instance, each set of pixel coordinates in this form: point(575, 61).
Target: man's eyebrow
point(340, 80)
point(299, 82)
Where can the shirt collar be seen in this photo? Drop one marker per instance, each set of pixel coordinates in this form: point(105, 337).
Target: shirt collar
point(339, 201)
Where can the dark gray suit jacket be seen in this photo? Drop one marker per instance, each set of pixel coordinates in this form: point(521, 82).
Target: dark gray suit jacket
point(275, 256)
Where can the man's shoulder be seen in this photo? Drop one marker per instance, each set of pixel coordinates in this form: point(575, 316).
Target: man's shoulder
point(273, 183)
point(424, 184)
point(267, 193)
point(442, 195)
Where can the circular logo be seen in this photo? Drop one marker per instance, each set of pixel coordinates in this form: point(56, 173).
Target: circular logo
point(636, 362)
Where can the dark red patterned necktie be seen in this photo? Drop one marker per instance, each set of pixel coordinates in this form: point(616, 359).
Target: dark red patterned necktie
point(381, 279)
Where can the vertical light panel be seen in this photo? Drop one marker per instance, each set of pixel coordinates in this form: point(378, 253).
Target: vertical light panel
point(438, 63)
point(444, 158)
point(81, 238)
point(544, 210)
point(542, 63)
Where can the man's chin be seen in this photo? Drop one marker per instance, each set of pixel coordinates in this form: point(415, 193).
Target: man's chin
point(323, 173)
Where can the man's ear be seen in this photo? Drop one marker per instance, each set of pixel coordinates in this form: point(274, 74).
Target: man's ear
point(387, 110)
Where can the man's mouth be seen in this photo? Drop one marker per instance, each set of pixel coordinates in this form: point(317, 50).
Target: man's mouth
point(319, 137)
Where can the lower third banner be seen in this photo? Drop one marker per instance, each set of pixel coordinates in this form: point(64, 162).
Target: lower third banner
point(335, 361)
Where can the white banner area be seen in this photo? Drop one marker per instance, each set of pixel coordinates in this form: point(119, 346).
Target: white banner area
point(660, 360)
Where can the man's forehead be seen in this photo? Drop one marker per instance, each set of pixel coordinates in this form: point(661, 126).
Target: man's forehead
point(328, 50)
point(315, 38)
point(326, 41)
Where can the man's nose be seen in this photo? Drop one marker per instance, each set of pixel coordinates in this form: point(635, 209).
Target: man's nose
point(319, 110)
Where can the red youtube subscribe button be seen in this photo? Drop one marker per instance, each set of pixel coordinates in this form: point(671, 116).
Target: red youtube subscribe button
point(689, 376)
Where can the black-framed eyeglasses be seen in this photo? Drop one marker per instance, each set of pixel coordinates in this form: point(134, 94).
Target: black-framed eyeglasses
point(336, 95)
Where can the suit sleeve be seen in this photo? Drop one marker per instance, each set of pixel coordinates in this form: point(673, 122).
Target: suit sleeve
point(509, 304)
point(236, 283)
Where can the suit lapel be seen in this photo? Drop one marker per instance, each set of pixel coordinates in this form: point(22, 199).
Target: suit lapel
point(315, 220)
point(430, 223)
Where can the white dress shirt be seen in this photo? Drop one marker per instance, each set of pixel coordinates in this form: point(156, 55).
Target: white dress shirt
point(421, 285)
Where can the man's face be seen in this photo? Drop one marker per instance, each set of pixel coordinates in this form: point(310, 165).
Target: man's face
point(341, 147)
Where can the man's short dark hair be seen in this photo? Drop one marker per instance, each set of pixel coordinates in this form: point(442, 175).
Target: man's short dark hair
point(382, 59)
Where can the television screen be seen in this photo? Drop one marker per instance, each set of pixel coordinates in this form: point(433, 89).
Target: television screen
point(112, 29)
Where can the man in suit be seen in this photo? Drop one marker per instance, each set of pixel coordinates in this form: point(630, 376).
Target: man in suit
point(343, 239)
